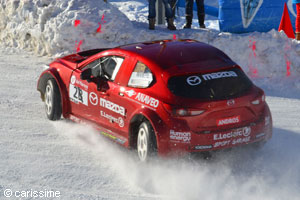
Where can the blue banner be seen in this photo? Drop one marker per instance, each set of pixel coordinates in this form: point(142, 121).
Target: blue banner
point(242, 16)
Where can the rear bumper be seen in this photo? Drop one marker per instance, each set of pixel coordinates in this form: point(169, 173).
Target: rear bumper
point(189, 141)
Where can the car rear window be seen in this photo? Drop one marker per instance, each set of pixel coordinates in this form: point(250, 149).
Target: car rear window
point(225, 84)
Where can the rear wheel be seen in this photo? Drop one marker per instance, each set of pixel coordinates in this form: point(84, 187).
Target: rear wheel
point(146, 142)
point(52, 100)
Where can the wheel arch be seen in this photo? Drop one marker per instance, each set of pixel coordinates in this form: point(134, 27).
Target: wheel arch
point(41, 86)
point(151, 117)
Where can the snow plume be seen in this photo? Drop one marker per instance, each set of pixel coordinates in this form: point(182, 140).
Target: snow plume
point(243, 173)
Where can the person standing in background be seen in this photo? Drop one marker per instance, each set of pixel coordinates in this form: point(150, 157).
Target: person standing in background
point(169, 14)
point(189, 13)
point(297, 2)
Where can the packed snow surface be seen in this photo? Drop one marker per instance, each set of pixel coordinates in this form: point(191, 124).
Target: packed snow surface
point(37, 154)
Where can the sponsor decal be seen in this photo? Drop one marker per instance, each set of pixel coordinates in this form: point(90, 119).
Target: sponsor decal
point(222, 143)
point(229, 120)
point(232, 142)
point(77, 95)
point(184, 137)
point(193, 80)
point(242, 132)
point(78, 82)
point(73, 79)
point(230, 102)
point(249, 8)
point(196, 80)
point(240, 140)
point(260, 135)
point(203, 147)
point(112, 106)
point(150, 101)
point(143, 98)
point(93, 97)
point(218, 75)
point(131, 93)
point(113, 119)
point(112, 137)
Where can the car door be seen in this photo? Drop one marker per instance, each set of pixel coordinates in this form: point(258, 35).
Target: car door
point(106, 106)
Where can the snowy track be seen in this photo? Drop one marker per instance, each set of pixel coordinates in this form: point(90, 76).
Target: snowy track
point(38, 154)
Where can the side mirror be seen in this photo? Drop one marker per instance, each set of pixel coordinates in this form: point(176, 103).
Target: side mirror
point(86, 74)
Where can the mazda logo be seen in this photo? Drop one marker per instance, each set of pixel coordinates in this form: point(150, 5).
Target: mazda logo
point(193, 80)
point(230, 102)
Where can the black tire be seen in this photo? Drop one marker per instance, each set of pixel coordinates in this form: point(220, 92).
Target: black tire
point(146, 142)
point(52, 100)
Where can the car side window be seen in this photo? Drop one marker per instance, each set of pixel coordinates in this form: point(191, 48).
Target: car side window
point(95, 66)
point(110, 66)
point(141, 76)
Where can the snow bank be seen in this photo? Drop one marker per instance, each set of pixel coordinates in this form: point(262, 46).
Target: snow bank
point(47, 28)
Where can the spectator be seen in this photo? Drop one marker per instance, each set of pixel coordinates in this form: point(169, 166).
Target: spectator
point(169, 14)
point(297, 2)
point(189, 13)
point(173, 4)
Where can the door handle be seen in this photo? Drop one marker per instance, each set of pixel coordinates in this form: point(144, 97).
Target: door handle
point(121, 94)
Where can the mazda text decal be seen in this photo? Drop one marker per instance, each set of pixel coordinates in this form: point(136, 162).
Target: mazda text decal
point(196, 80)
point(229, 120)
point(219, 75)
point(112, 106)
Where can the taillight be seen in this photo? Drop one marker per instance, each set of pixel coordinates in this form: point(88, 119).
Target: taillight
point(258, 100)
point(183, 112)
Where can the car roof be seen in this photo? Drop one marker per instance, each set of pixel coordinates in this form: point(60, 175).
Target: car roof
point(187, 54)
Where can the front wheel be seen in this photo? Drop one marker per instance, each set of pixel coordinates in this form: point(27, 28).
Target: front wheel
point(146, 142)
point(52, 100)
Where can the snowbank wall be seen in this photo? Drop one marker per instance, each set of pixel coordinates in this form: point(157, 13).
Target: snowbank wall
point(47, 26)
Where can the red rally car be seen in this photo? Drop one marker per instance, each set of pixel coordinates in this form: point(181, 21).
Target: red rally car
point(159, 97)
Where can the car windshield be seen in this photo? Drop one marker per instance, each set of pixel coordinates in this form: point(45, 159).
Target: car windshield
point(225, 84)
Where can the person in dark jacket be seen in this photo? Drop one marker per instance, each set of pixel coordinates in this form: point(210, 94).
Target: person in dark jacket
point(169, 14)
point(297, 2)
point(189, 13)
